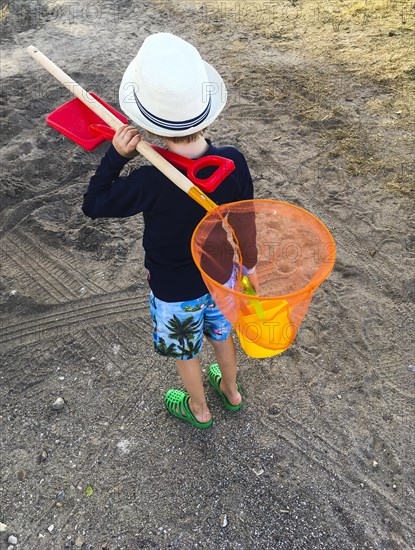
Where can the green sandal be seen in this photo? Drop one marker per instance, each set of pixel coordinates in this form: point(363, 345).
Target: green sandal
point(215, 376)
point(177, 401)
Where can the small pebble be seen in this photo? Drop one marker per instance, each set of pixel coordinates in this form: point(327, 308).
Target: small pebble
point(51, 528)
point(3, 527)
point(373, 252)
point(79, 542)
point(223, 520)
point(58, 404)
point(11, 547)
point(258, 472)
point(375, 464)
point(21, 475)
point(12, 540)
point(43, 456)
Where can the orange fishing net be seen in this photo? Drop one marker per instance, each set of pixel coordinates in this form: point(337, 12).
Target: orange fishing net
point(293, 252)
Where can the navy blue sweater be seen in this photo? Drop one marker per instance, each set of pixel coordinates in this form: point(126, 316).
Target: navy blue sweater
point(170, 217)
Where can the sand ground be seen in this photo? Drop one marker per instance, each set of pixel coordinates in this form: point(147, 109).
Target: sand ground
point(322, 455)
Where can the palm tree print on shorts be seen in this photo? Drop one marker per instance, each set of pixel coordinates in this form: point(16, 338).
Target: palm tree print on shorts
point(167, 350)
point(184, 332)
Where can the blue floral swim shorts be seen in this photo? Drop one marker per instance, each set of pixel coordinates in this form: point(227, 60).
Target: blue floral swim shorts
point(178, 327)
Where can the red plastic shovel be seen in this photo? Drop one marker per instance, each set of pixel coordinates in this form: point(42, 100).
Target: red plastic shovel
point(88, 120)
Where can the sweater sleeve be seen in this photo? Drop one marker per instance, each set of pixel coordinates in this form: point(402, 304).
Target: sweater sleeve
point(109, 195)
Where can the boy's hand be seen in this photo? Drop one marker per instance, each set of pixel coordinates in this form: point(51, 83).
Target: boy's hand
point(253, 279)
point(125, 141)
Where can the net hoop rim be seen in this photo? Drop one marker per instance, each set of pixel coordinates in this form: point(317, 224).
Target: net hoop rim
point(309, 288)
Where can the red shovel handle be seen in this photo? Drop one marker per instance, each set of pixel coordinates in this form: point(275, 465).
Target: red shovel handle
point(224, 166)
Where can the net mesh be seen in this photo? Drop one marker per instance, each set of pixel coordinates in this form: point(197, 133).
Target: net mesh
point(293, 253)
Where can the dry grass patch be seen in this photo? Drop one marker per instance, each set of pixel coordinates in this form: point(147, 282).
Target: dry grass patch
point(372, 38)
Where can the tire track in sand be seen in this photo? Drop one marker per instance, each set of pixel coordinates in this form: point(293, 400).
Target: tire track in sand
point(332, 460)
point(68, 262)
point(71, 317)
point(46, 273)
point(41, 272)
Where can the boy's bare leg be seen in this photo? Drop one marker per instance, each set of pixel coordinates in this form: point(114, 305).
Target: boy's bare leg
point(191, 375)
point(226, 358)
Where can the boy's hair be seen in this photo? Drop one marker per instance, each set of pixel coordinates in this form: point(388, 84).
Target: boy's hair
point(181, 139)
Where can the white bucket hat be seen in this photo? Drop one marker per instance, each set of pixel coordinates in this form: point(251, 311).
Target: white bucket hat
point(169, 90)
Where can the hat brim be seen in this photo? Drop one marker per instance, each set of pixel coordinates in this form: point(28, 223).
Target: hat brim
point(130, 108)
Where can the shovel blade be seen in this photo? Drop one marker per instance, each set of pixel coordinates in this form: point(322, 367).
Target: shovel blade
point(73, 119)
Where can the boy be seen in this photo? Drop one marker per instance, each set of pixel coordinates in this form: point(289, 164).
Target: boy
point(172, 93)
